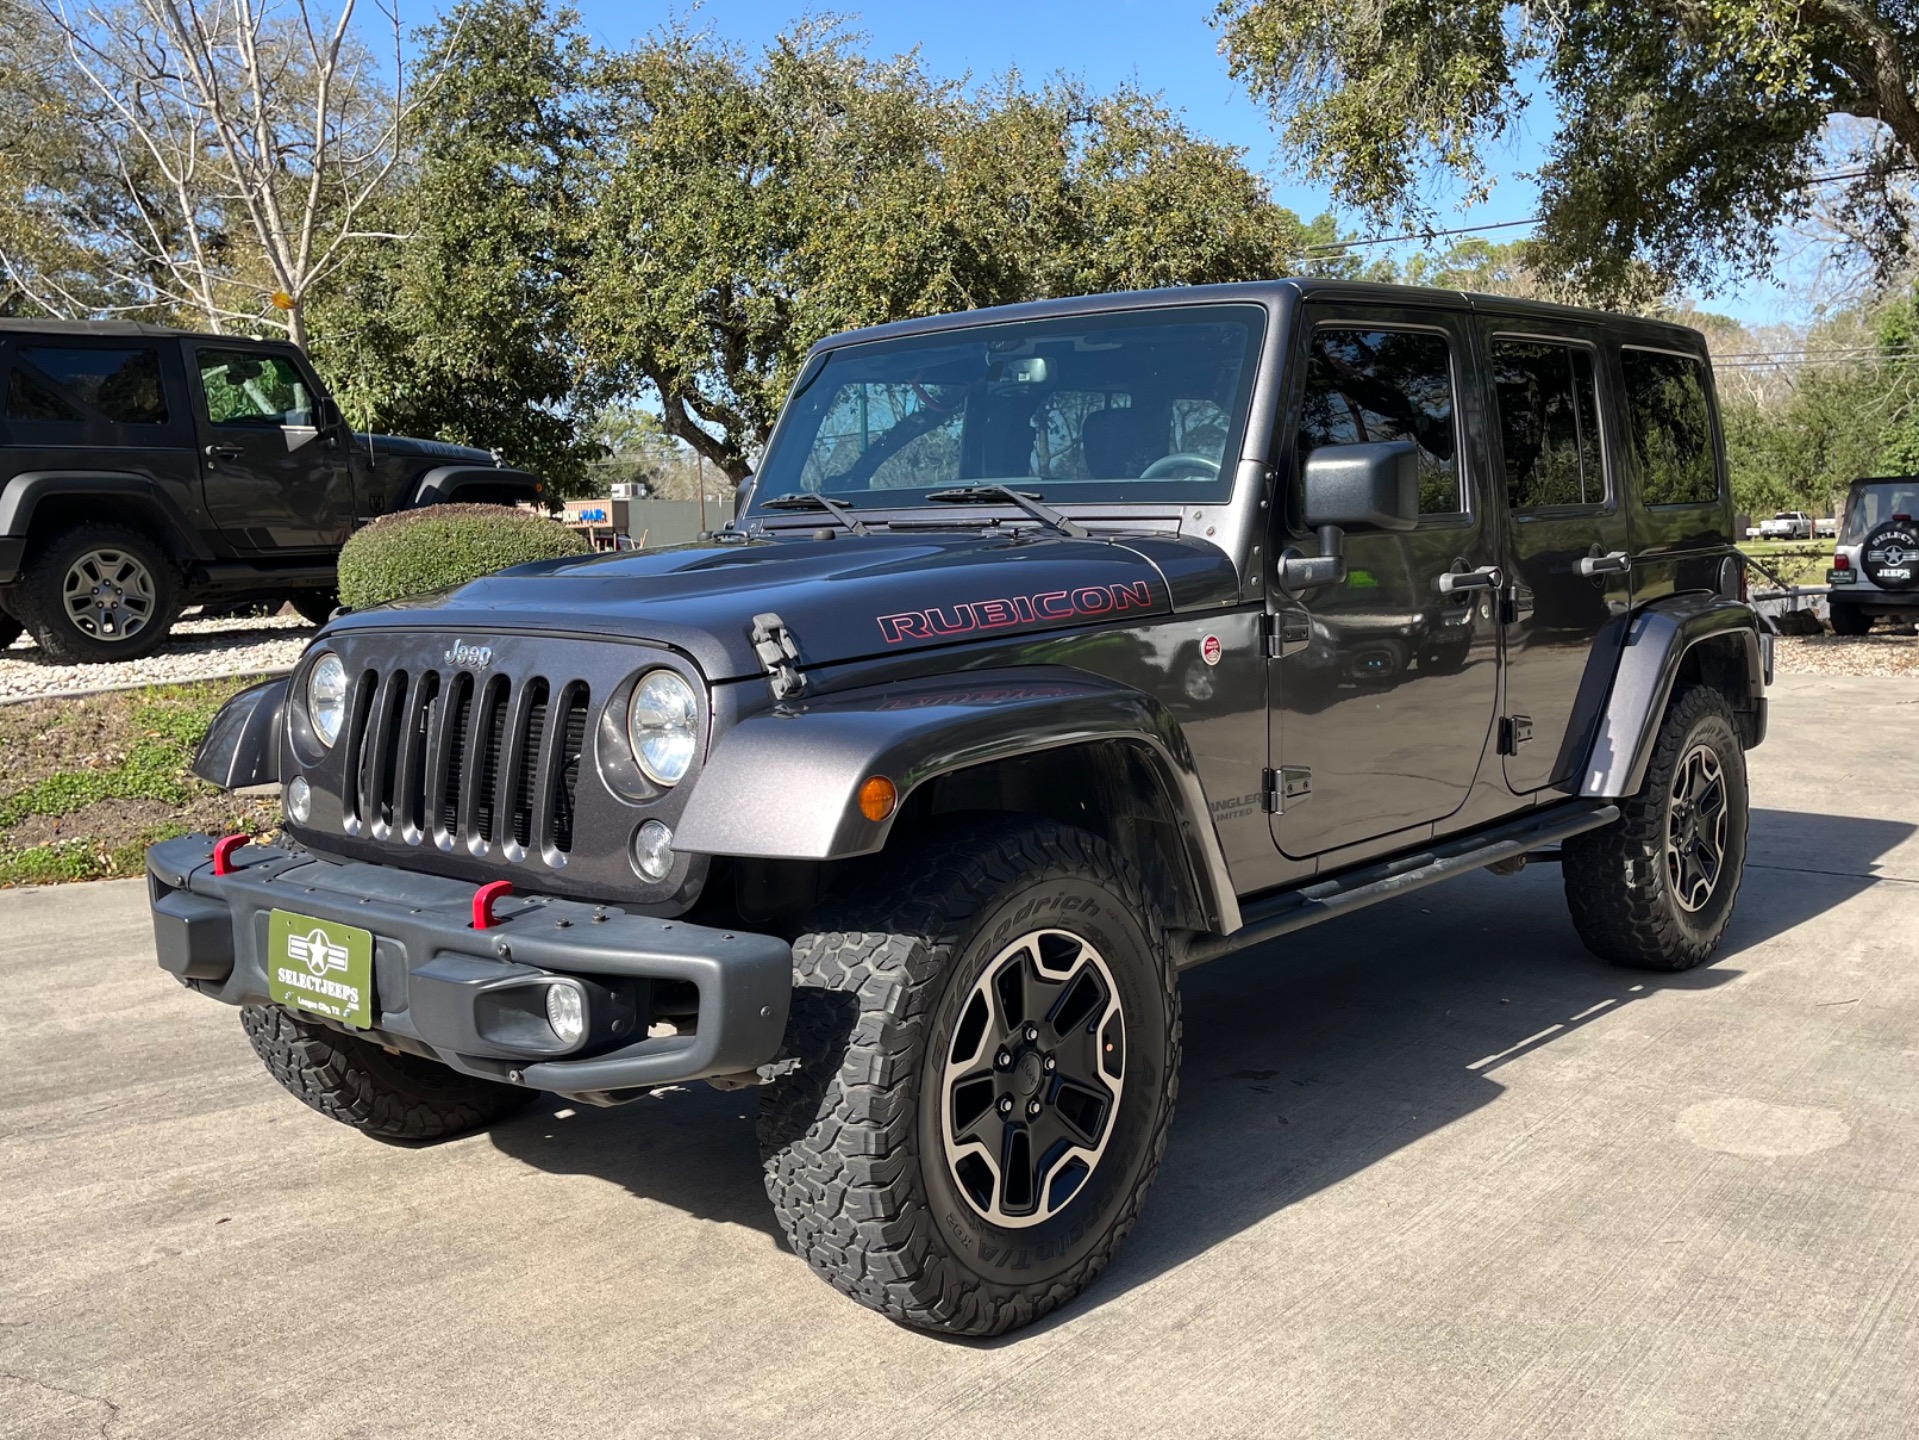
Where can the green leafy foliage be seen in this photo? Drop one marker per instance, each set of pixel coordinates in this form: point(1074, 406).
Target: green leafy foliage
point(457, 322)
point(1686, 129)
point(440, 546)
point(751, 205)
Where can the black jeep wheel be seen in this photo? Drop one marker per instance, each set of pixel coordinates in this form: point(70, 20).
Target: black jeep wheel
point(1848, 619)
point(390, 1097)
point(99, 593)
point(315, 606)
point(1654, 890)
point(987, 1066)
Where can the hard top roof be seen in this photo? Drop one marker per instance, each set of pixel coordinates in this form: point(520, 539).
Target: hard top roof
point(1266, 292)
point(121, 327)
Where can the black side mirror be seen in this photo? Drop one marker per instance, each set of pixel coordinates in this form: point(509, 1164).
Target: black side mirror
point(1374, 485)
point(742, 493)
point(326, 413)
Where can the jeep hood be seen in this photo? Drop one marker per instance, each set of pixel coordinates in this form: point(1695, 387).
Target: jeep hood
point(406, 447)
point(847, 598)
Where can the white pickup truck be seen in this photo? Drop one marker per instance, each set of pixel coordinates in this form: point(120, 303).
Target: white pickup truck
point(1787, 525)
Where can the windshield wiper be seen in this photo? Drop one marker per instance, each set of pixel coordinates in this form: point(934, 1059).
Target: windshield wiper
point(1030, 503)
point(808, 500)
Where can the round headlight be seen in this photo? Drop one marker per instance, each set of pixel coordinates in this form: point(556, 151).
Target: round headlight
point(660, 725)
point(326, 697)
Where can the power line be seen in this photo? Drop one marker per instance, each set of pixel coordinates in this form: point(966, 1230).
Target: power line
point(1335, 247)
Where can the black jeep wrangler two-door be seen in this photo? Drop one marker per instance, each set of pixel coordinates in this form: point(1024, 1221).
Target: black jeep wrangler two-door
point(143, 469)
point(1055, 649)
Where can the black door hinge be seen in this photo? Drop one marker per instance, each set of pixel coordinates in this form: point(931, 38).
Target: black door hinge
point(1514, 731)
point(1286, 787)
point(1285, 632)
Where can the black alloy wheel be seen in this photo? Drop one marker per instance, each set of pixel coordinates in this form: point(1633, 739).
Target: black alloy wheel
point(1034, 1074)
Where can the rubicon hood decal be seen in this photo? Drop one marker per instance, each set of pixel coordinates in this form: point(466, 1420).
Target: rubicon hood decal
point(964, 616)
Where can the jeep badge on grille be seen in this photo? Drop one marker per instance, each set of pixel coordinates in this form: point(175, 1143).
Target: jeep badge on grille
point(478, 656)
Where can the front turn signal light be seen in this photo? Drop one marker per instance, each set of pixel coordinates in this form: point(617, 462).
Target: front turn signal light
point(878, 797)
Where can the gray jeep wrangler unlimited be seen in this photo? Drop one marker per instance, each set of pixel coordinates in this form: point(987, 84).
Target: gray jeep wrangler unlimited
point(144, 469)
point(1055, 649)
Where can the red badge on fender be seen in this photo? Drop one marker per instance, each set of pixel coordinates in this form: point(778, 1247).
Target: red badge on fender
point(1209, 649)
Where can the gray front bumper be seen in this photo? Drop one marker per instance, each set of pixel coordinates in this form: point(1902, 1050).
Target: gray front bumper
point(437, 980)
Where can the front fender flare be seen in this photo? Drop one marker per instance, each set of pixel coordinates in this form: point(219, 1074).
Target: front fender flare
point(242, 745)
point(442, 486)
point(1657, 640)
point(783, 784)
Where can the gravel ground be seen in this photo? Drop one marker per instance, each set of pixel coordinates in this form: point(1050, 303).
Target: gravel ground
point(1836, 655)
point(197, 650)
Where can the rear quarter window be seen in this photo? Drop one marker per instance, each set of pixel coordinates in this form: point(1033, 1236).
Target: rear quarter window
point(86, 385)
point(1670, 420)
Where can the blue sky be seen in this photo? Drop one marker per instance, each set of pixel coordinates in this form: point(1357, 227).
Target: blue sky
point(1167, 46)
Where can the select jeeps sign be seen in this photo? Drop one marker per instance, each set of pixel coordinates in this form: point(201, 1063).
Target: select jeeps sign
point(320, 967)
point(1890, 555)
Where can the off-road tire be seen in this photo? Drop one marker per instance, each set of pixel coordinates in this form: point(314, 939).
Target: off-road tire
point(1623, 906)
point(390, 1097)
point(315, 606)
point(854, 1157)
point(40, 601)
point(1849, 620)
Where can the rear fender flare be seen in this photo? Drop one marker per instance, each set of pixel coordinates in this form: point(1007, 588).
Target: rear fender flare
point(784, 783)
point(1656, 643)
point(23, 495)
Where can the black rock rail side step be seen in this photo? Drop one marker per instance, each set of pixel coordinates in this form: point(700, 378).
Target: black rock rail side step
point(1289, 910)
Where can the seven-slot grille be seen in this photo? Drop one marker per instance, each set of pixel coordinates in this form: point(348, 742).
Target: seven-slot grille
point(473, 762)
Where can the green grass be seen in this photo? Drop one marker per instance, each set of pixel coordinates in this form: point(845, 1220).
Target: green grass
point(1796, 562)
point(151, 735)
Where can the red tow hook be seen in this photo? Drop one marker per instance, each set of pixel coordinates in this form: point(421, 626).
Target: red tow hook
point(483, 900)
point(223, 849)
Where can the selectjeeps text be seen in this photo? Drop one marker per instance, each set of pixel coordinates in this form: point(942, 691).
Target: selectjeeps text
point(1054, 649)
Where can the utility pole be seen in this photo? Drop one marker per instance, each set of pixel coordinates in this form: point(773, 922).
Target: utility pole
point(700, 461)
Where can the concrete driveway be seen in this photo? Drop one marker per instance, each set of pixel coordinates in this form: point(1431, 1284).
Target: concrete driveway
point(1436, 1171)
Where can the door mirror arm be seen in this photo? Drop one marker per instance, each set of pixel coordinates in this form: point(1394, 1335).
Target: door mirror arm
point(1302, 572)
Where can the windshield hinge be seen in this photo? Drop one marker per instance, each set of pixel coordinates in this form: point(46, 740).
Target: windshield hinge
point(779, 652)
point(1285, 787)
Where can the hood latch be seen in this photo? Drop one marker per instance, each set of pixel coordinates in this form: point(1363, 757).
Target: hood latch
point(779, 652)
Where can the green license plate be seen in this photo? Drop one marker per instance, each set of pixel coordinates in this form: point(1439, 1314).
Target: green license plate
point(321, 967)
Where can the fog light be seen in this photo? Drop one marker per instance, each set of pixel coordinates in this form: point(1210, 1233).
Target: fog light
point(299, 800)
point(653, 850)
point(566, 1012)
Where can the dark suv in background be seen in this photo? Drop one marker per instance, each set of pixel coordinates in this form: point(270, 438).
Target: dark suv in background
point(144, 469)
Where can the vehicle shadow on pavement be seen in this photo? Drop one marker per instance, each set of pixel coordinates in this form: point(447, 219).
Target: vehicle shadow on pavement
point(688, 1146)
point(1306, 1060)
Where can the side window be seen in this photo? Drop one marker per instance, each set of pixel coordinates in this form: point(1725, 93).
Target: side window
point(247, 389)
point(1364, 385)
point(1548, 424)
point(1671, 428)
point(80, 385)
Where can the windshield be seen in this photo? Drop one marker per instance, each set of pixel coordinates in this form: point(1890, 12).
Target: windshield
point(1871, 503)
point(1129, 407)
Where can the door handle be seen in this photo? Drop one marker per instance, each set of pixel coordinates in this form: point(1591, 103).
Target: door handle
point(1486, 577)
point(1617, 563)
point(223, 452)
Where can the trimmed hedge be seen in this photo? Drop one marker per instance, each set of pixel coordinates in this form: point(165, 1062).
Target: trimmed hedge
point(411, 552)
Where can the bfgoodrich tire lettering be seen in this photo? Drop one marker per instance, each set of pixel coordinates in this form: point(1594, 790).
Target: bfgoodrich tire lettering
point(390, 1097)
point(853, 1140)
point(1624, 883)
